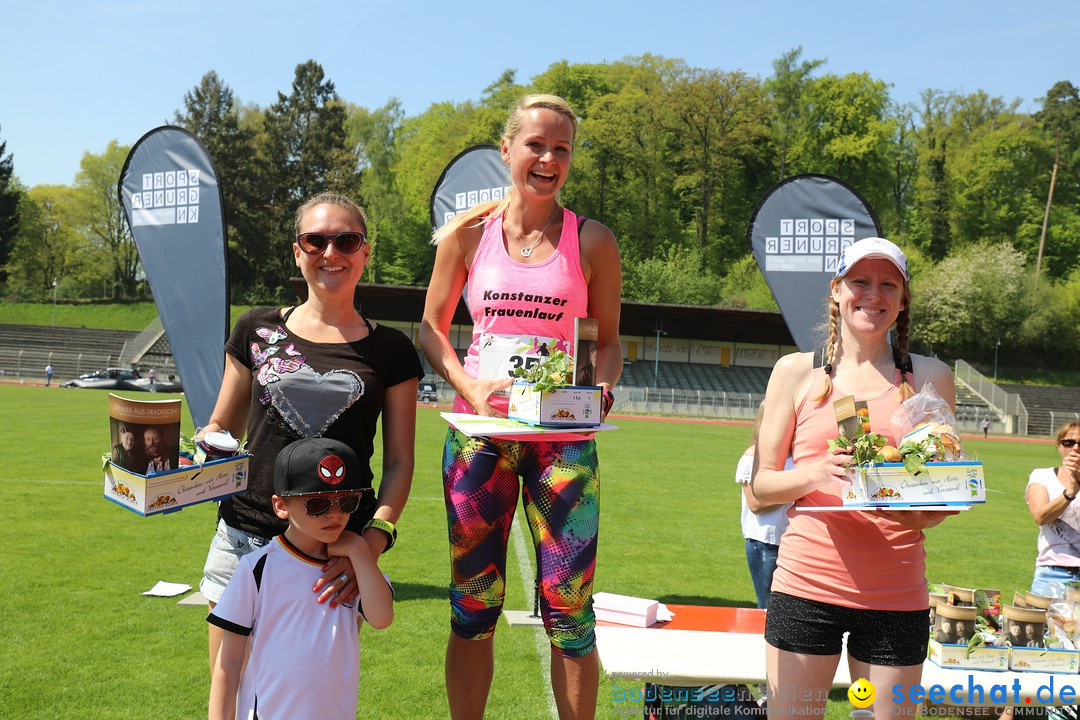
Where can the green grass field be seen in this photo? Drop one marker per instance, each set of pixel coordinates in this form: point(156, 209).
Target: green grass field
point(79, 640)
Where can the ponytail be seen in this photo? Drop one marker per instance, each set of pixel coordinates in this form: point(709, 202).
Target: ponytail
point(473, 217)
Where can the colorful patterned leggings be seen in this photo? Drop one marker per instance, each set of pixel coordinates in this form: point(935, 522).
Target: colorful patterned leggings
point(561, 498)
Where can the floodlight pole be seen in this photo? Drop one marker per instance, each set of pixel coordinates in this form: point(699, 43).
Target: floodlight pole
point(656, 361)
point(996, 346)
point(54, 302)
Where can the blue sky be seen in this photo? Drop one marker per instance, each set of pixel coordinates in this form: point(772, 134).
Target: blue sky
point(77, 74)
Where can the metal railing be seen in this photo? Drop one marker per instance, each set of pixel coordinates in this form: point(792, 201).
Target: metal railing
point(1058, 418)
point(1009, 405)
point(29, 365)
point(688, 403)
point(666, 401)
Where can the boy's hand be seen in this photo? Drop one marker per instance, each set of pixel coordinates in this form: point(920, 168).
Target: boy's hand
point(347, 544)
point(338, 582)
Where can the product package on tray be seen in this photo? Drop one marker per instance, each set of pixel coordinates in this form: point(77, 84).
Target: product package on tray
point(543, 395)
point(928, 468)
point(171, 490)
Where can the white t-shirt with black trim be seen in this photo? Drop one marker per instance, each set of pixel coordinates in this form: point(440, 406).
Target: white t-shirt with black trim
point(768, 526)
point(305, 655)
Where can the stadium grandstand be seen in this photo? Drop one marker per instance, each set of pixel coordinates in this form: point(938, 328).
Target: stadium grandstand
point(679, 360)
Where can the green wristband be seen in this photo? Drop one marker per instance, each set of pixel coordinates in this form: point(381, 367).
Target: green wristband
point(387, 527)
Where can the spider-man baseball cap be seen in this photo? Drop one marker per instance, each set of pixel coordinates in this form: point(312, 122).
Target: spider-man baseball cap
point(315, 466)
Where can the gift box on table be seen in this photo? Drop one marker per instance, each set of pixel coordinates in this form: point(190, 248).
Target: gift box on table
point(954, 627)
point(171, 490)
point(1040, 659)
point(955, 655)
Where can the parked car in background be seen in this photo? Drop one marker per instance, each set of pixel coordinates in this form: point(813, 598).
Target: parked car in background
point(427, 392)
point(115, 378)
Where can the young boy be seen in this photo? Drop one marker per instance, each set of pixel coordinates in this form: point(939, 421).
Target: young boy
point(305, 655)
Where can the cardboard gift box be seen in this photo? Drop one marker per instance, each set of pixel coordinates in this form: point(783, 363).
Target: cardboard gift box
point(955, 655)
point(171, 490)
point(624, 609)
point(1038, 659)
point(943, 483)
point(569, 405)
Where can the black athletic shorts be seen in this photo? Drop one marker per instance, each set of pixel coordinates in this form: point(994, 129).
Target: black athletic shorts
point(877, 637)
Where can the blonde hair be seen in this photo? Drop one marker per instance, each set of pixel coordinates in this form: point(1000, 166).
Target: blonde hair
point(757, 421)
point(1066, 429)
point(903, 325)
point(475, 215)
point(329, 198)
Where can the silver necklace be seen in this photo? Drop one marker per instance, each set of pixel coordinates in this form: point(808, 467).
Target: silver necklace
point(528, 251)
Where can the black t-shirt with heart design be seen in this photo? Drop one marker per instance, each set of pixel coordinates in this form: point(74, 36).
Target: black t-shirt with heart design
point(304, 389)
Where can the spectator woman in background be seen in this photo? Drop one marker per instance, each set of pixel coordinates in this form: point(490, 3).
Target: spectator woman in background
point(1050, 494)
point(762, 524)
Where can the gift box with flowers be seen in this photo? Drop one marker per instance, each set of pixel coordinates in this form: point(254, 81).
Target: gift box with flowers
point(928, 468)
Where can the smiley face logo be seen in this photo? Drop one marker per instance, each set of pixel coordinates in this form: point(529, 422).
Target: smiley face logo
point(861, 693)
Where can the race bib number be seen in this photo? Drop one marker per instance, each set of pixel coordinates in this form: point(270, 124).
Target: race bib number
point(501, 355)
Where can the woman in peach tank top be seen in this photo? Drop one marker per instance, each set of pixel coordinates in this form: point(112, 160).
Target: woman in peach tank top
point(862, 573)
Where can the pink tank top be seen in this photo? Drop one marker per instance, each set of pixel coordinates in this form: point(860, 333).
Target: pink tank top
point(521, 312)
point(852, 559)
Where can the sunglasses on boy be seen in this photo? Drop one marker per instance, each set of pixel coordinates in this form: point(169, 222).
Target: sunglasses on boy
point(346, 242)
point(319, 505)
point(1069, 443)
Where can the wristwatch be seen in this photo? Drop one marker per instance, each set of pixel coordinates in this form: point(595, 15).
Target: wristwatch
point(1068, 498)
point(387, 527)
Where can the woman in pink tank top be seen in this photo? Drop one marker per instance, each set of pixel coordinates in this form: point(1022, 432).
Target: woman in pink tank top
point(531, 267)
point(861, 573)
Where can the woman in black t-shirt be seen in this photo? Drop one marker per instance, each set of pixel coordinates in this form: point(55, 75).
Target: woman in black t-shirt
point(319, 369)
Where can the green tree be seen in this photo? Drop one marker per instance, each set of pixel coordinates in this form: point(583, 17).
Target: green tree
point(581, 84)
point(994, 169)
point(425, 145)
point(50, 249)
point(1060, 117)
point(373, 134)
point(622, 171)
point(673, 277)
point(848, 133)
point(302, 150)
point(100, 216)
point(787, 87)
point(10, 195)
point(1047, 337)
point(976, 295)
point(720, 120)
point(744, 287)
point(903, 164)
point(212, 114)
point(929, 226)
